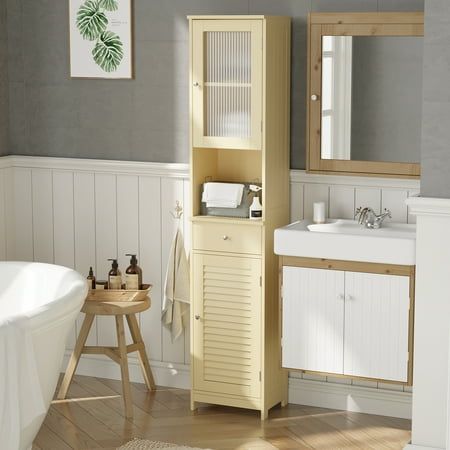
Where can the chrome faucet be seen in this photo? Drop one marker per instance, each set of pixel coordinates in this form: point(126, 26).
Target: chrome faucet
point(367, 217)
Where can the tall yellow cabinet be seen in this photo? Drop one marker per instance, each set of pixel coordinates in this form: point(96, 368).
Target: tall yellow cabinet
point(239, 119)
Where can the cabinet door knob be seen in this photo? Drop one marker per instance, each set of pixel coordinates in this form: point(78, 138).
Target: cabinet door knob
point(349, 297)
point(196, 84)
point(225, 238)
point(314, 97)
point(197, 317)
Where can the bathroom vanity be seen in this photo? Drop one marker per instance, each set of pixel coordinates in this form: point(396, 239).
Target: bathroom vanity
point(347, 299)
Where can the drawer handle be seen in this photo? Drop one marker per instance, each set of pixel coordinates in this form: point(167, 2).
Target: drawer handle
point(197, 317)
point(225, 238)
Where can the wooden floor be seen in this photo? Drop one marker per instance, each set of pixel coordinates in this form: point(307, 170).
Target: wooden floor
point(92, 418)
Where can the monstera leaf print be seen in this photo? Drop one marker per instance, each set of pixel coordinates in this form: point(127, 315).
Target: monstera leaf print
point(91, 20)
point(108, 51)
point(109, 5)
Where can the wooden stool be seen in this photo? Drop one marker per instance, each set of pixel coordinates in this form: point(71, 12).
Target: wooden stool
point(117, 354)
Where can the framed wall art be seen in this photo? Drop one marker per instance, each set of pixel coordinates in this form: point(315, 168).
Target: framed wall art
point(101, 39)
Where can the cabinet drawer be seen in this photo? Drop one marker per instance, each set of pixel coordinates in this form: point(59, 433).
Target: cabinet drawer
point(219, 237)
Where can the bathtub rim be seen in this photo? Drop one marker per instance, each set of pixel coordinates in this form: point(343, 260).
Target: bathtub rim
point(54, 310)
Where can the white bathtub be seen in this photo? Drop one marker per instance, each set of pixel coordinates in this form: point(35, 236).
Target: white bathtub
point(39, 303)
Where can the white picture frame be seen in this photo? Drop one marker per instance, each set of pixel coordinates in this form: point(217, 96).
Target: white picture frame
point(101, 35)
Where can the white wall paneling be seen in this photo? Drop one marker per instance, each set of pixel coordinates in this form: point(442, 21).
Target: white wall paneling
point(150, 259)
point(315, 193)
point(394, 201)
point(106, 244)
point(342, 202)
point(42, 202)
point(343, 194)
point(19, 204)
point(80, 212)
point(84, 233)
point(297, 192)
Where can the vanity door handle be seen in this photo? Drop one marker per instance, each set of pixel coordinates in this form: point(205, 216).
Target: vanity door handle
point(225, 237)
point(349, 297)
point(196, 84)
point(341, 297)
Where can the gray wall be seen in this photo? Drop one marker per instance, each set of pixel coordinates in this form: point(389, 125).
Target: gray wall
point(435, 179)
point(144, 119)
point(3, 80)
point(387, 98)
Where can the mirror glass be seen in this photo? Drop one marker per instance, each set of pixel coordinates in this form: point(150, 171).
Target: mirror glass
point(371, 98)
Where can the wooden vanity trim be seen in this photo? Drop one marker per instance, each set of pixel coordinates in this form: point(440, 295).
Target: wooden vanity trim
point(353, 266)
point(367, 17)
point(350, 266)
point(357, 24)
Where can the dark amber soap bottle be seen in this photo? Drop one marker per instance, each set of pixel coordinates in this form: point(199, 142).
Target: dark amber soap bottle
point(133, 274)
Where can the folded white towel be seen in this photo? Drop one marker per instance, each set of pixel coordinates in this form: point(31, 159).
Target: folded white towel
point(222, 195)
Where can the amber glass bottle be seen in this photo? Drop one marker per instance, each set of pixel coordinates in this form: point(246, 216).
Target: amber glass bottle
point(91, 279)
point(114, 276)
point(133, 274)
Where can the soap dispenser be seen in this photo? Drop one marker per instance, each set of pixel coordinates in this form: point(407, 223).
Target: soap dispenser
point(114, 276)
point(133, 274)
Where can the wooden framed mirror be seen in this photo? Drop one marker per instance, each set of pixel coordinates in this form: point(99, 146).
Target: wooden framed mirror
point(365, 93)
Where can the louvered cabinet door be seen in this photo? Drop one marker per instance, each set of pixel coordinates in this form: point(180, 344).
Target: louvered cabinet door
point(227, 325)
point(226, 76)
point(376, 326)
point(313, 319)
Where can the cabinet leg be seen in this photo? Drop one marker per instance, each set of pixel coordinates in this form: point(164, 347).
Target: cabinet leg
point(264, 414)
point(75, 357)
point(193, 404)
point(284, 402)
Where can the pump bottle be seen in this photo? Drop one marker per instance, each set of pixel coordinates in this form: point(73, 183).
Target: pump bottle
point(114, 276)
point(133, 274)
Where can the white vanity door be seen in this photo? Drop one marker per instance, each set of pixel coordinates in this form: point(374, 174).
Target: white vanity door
point(376, 326)
point(313, 319)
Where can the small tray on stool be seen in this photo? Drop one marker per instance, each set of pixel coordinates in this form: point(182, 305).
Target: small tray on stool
point(119, 295)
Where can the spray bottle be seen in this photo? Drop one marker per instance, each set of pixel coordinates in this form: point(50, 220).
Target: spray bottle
point(255, 210)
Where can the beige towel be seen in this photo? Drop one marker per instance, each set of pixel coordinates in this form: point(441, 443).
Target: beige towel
point(176, 300)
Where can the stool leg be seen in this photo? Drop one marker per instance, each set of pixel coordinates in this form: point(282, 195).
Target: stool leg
point(75, 357)
point(124, 366)
point(137, 339)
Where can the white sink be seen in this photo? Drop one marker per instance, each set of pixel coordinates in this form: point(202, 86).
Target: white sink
point(393, 243)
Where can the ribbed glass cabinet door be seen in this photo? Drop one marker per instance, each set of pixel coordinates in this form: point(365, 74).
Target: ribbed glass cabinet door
point(227, 83)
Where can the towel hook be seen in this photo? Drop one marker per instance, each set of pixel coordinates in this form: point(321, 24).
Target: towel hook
point(178, 211)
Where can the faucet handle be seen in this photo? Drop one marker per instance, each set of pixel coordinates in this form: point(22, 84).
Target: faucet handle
point(388, 213)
